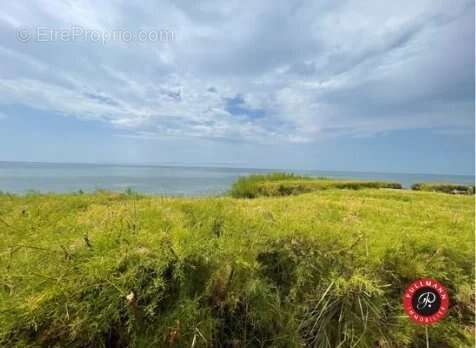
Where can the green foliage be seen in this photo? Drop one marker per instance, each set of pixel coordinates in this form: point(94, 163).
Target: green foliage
point(324, 269)
point(349, 312)
point(282, 184)
point(246, 186)
point(446, 188)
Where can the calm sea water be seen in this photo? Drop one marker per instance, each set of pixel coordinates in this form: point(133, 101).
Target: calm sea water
point(170, 180)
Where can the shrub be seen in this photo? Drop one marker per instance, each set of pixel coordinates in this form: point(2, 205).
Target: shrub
point(287, 184)
point(246, 187)
point(446, 188)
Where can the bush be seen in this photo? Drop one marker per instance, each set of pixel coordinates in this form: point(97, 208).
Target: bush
point(287, 184)
point(446, 188)
point(246, 187)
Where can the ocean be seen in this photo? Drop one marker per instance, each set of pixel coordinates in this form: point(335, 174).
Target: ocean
point(22, 177)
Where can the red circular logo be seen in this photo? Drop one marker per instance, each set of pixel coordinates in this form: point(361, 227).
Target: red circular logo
point(426, 301)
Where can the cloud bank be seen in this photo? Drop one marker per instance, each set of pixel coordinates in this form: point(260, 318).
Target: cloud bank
point(260, 72)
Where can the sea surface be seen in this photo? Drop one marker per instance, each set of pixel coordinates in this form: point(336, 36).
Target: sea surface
point(20, 177)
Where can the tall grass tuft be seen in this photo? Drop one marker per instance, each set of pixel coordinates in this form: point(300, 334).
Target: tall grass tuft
point(345, 312)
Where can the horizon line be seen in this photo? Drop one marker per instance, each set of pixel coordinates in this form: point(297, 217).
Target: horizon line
point(227, 166)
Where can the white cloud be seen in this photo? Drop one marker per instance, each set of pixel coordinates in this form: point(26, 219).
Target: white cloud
point(303, 71)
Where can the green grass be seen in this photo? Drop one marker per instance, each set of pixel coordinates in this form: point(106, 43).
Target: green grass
point(323, 269)
point(446, 188)
point(246, 186)
point(283, 184)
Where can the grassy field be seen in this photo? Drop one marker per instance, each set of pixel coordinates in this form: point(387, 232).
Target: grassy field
point(321, 269)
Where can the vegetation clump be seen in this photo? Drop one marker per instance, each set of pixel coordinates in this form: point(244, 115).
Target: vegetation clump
point(446, 188)
point(246, 186)
point(323, 269)
point(282, 184)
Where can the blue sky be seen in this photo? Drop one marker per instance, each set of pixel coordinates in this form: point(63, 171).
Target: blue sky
point(352, 85)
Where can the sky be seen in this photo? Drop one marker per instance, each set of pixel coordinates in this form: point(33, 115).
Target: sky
point(332, 85)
